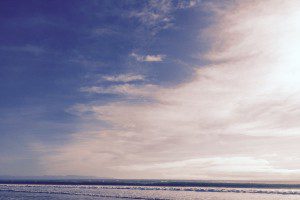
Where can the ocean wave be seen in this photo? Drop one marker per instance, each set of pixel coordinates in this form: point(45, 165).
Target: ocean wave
point(54, 188)
point(196, 189)
point(78, 194)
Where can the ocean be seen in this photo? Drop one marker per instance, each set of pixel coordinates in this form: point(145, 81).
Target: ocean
point(158, 190)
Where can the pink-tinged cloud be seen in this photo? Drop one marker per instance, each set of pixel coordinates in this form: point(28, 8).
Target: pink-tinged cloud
point(238, 118)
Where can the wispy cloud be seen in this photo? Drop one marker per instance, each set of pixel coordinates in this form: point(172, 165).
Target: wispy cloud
point(124, 78)
point(148, 58)
point(183, 4)
point(123, 89)
point(235, 167)
point(158, 15)
point(154, 58)
point(238, 118)
point(155, 14)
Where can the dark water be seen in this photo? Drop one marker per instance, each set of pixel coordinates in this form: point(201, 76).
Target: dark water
point(147, 189)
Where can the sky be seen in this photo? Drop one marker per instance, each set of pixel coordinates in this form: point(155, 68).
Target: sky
point(199, 89)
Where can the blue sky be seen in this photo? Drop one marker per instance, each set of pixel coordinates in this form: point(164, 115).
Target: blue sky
point(50, 49)
point(118, 88)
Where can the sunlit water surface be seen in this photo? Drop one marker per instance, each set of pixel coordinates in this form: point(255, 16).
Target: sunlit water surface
point(42, 192)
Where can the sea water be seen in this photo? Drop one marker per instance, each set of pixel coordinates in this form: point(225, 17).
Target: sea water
point(91, 192)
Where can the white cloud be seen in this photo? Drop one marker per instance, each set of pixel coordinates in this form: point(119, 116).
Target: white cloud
point(238, 118)
point(155, 15)
point(212, 167)
point(124, 78)
point(137, 57)
point(184, 4)
point(154, 58)
point(159, 15)
point(124, 89)
point(148, 58)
